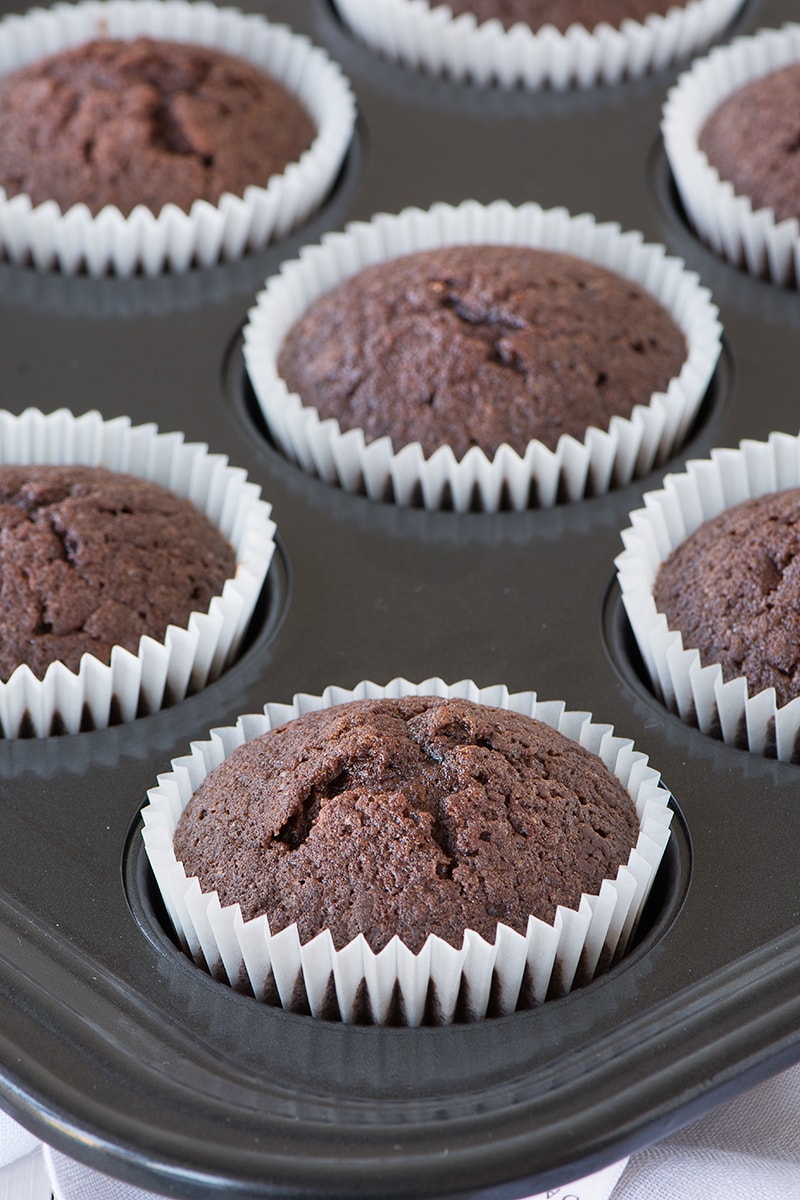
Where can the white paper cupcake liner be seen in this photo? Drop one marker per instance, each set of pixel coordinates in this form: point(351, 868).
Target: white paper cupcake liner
point(749, 238)
point(187, 659)
point(603, 459)
point(698, 694)
point(74, 240)
point(431, 39)
point(549, 959)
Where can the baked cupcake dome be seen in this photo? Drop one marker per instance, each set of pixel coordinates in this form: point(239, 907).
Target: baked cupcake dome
point(481, 345)
point(732, 590)
point(153, 671)
point(757, 232)
point(751, 141)
point(92, 558)
point(429, 37)
point(173, 239)
point(144, 121)
point(730, 674)
point(536, 474)
point(515, 968)
point(406, 817)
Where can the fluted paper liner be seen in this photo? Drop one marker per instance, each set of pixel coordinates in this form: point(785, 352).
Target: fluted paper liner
point(549, 959)
point(430, 39)
point(541, 476)
point(187, 658)
point(749, 238)
point(697, 693)
point(74, 240)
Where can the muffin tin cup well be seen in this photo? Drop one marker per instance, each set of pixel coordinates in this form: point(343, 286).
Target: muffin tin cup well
point(124, 1054)
point(427, 37)
point(698, 693)
point(162, 672)
point(174, 240)
point(540, 476)
point(750, 238)
point(548, 960)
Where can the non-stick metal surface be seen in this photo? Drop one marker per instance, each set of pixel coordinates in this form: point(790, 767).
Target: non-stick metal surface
point(117, 1049)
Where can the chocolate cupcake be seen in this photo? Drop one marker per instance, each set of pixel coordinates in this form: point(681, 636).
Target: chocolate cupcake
point(131, 566)
point(91, 559)
point(151, 122)
point(424, 377)
point(728, 134)
point(160, 136)
point(708, 579)
point(538, 43)
point(751, 140)
point(732, 590)
point(408, 840)
point(481, 346)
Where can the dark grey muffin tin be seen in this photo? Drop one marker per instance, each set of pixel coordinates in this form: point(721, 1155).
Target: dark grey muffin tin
point(122, 1053)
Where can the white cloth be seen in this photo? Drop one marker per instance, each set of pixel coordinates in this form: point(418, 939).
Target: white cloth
point(746, 1149)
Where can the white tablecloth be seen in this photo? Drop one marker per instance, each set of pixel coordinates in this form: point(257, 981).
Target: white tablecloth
point(747, 1150)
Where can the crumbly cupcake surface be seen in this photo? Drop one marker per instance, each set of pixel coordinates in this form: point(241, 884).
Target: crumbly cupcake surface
point(732, 589)
point(561, 13)
point(479, 346)
point(752, 139)
point(144, 122)
point(91, 558)
point(407, 816)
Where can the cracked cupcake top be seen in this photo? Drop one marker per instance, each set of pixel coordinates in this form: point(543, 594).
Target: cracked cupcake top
point(144, 122)
point(90, 559)
point(561, 13)
point(481, 345)
point(406, 816)
point(732, 589)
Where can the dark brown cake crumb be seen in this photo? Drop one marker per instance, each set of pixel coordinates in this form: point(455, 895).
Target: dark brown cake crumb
point(562, 13)
point(91, 559)
point(481, 345)
point(732, 589)
point(144, 122)
point(409, 817)
point(753, 140)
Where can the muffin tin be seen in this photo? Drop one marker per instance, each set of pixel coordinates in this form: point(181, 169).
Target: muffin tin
point(117, 1049)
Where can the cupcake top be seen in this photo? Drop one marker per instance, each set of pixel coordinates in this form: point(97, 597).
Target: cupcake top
point(90, 559)
point(144, 122)
point(732, 589)
point(480, 345)
point(406, 816)
point(560, 13)
point(752, 140)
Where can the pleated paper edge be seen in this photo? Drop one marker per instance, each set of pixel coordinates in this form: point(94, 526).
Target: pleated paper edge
point(604, 459)
point(187, 658)
point(74, 241)
point(550, 959)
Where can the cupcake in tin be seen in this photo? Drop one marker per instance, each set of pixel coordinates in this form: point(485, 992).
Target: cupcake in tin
point(439, 852)
point(709, 583)
point(481, 356)
point(538, 43)
point(146, 137)
point(729, 129)
point(132, 562)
